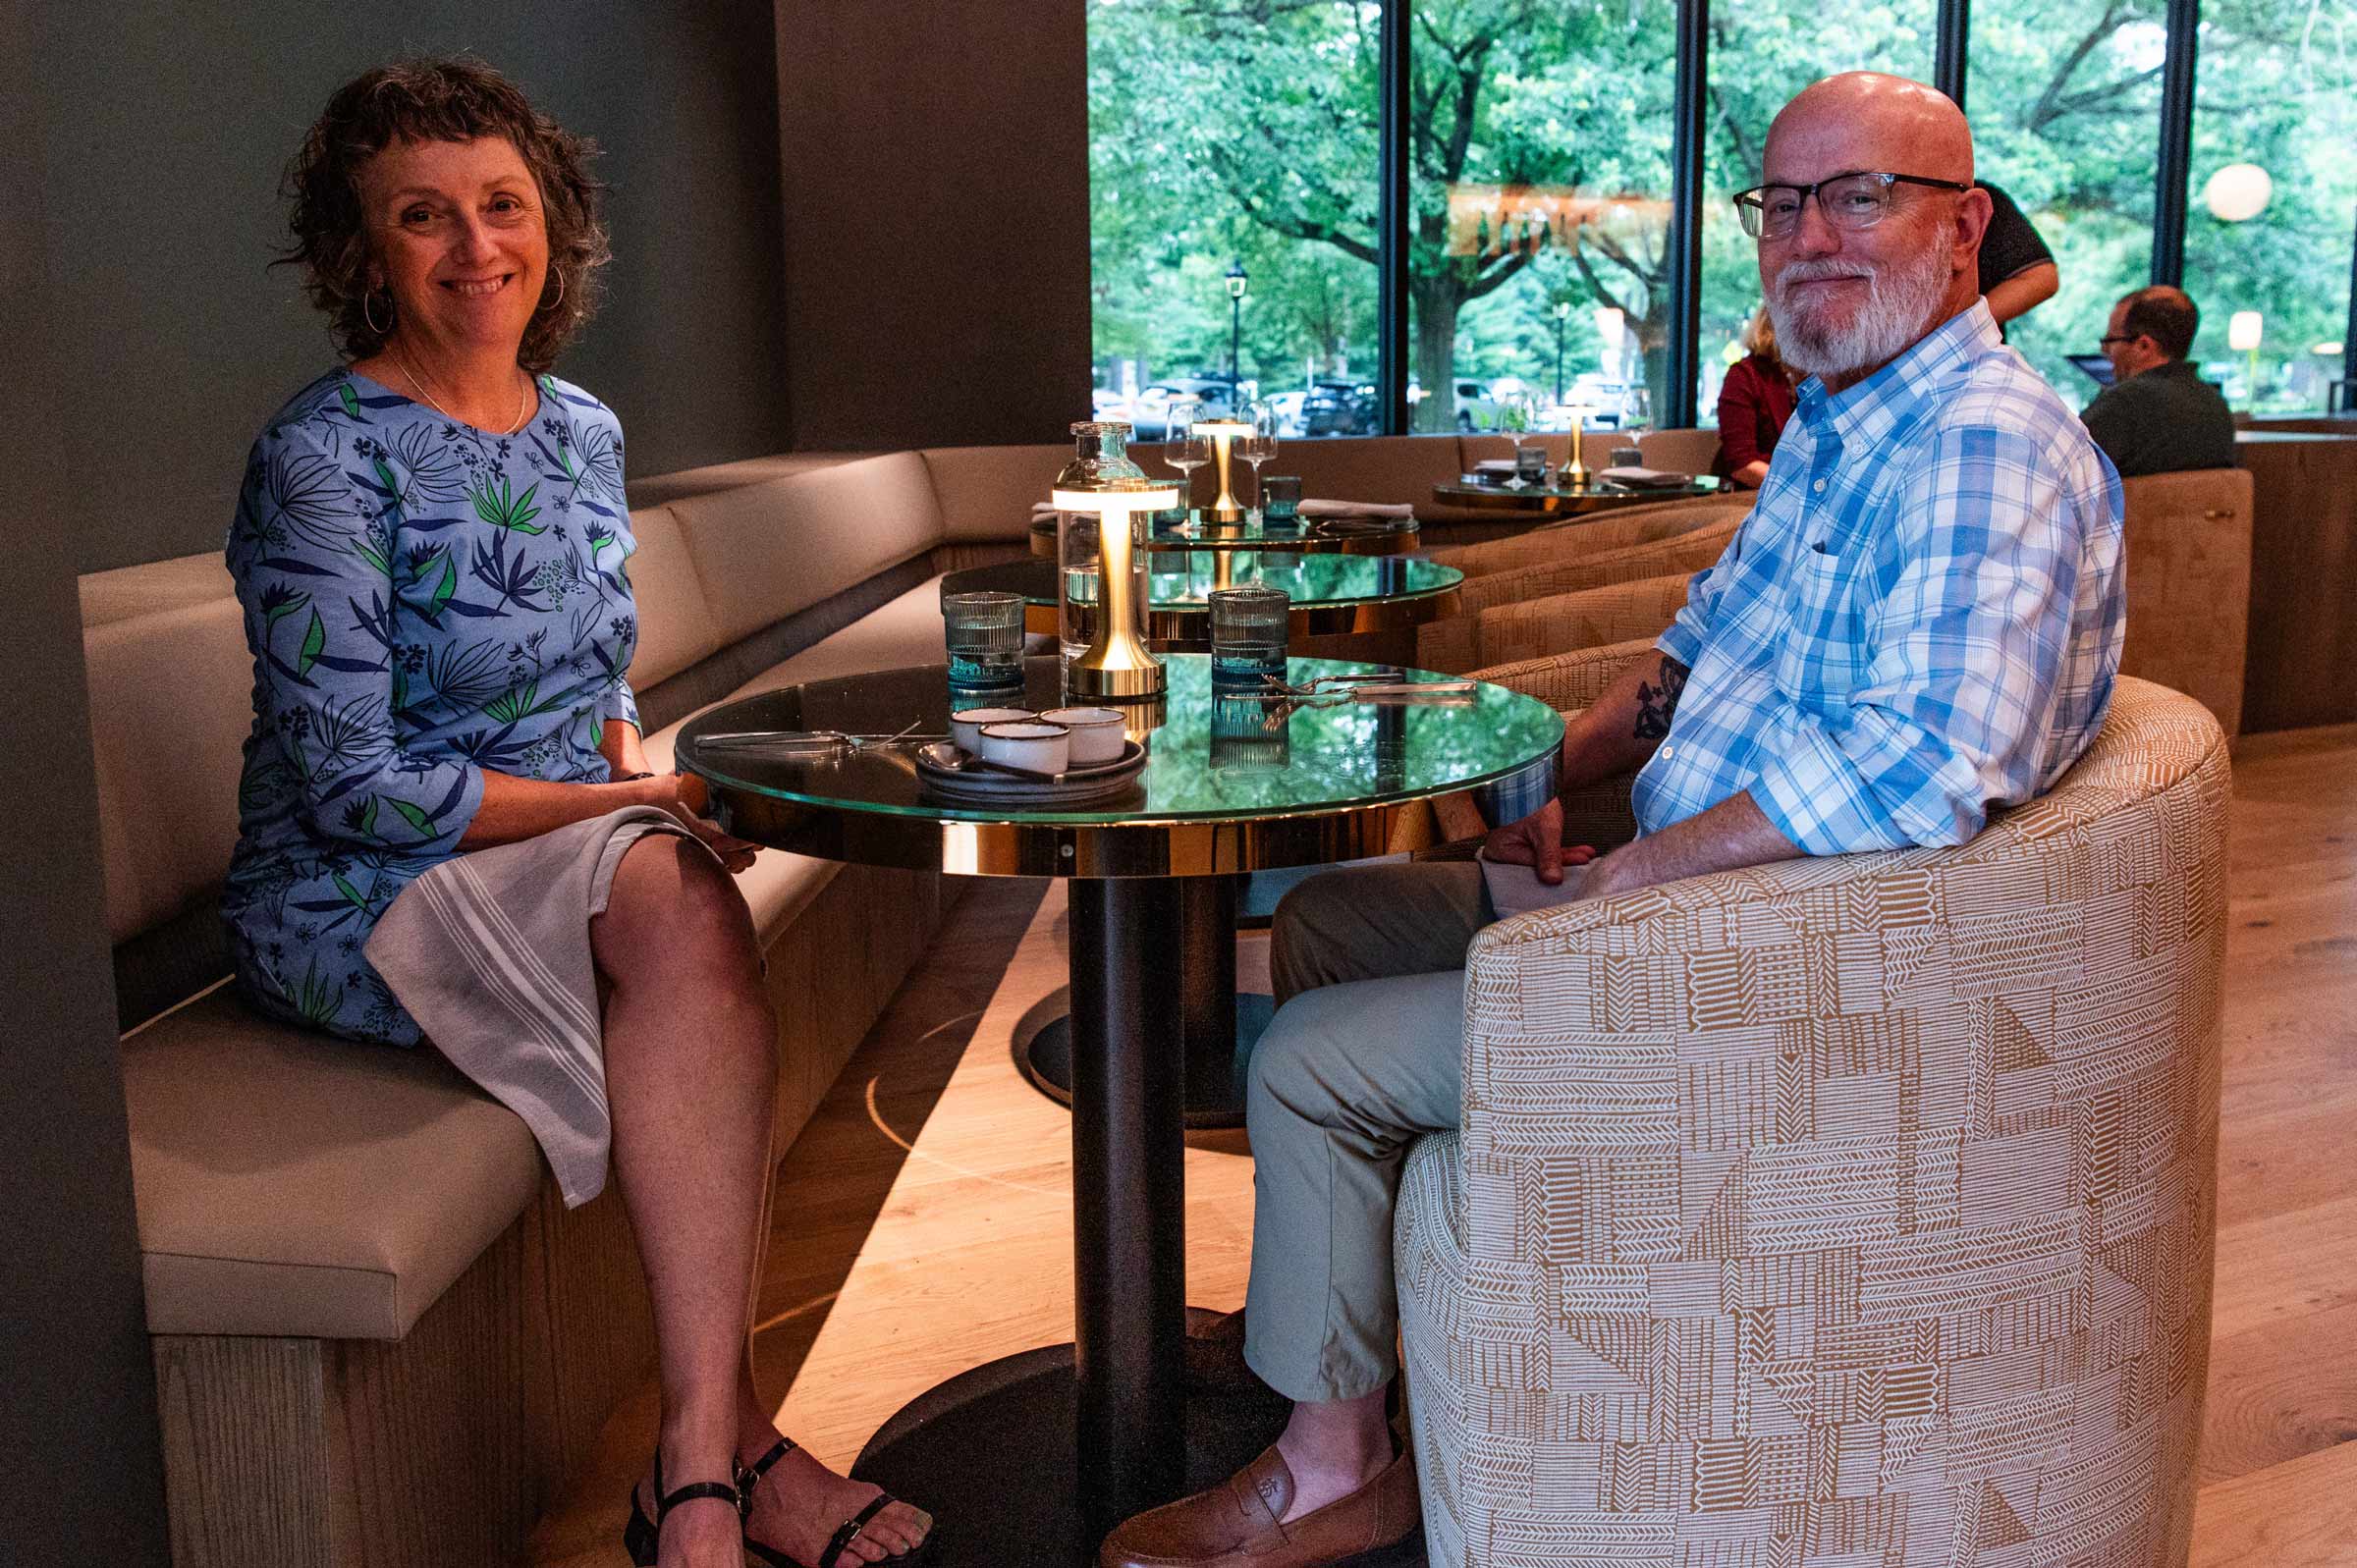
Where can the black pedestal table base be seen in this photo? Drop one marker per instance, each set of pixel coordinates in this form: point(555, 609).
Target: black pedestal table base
point(1215, 1069)
point(990, 1456)
point(1220, 1027)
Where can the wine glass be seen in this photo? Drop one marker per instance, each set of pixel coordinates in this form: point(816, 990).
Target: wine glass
point(1518, 413)
point(1636, 410)
point(1182, 448)
point(1258, 444)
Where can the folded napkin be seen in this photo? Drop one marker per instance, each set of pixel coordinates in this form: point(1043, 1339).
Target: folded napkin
point(1495, 465)
point(1327, 509)
point(1645, 478)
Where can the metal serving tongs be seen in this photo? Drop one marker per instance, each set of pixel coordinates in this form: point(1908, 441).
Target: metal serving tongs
point(1380, 688)
point(806, 743)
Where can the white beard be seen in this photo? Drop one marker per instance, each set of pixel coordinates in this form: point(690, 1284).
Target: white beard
point(1903, 303)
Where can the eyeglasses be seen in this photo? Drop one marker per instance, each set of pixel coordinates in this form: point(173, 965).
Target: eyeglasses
point(1850, 201)
point(2109, 339)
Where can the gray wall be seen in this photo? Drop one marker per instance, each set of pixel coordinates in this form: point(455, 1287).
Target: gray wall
point(166, 128)
point(78, 1434)
point(935, 164)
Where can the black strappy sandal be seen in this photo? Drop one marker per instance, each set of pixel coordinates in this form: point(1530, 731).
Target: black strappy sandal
point(642, 1536)
point(838, 1544)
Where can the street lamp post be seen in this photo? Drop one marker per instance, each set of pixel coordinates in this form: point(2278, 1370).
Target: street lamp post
point(1236, 279)
point(1563, 318)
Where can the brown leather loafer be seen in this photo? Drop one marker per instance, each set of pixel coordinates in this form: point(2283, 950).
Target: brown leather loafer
point(1240, 1523)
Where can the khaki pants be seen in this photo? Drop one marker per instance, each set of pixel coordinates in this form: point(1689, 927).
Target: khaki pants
point(1365, 1053)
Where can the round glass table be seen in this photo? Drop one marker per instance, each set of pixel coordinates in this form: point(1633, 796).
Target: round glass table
point(1348, 536)
point(1548, 501)
point(1331, 594)
point(1033, 1457)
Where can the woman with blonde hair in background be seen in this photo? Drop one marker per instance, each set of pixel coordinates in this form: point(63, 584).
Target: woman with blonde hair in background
point(1754, 401)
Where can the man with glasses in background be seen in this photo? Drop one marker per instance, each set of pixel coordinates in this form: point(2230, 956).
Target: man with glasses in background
point(1920, 619)
point(2157, 415)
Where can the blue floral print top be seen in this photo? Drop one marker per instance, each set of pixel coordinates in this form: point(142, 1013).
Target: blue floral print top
point(423, 601)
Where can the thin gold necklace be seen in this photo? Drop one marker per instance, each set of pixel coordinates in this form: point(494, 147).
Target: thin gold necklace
point(523, 397)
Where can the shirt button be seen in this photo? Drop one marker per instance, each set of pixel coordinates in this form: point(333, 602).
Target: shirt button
point(1819, 487)
point(1668, 752)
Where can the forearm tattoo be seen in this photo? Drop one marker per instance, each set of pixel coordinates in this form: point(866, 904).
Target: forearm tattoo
point(1657, 705)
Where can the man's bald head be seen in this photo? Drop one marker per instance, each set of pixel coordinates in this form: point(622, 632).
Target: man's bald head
point(1852, 290)
point(1865, 120)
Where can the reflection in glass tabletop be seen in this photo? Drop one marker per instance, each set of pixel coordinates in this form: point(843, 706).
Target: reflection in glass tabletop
point(1182, 580)
point(1311, 781)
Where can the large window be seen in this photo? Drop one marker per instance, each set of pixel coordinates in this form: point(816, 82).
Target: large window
point(2274, 193)
point(1539, 162)
point(1237, 148)
point(1224, 137)
point(1761, 53)
point(2065, 96)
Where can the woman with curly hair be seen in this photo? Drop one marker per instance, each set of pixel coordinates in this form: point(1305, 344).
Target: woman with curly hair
point(448, 827)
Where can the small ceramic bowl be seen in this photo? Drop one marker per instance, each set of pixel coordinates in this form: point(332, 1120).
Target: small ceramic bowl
point(1097, 734)
point(1031, 744)
point(965, 727)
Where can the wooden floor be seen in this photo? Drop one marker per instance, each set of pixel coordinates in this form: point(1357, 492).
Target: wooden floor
point(923, 1224)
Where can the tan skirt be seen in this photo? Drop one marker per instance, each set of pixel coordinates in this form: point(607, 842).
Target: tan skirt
point(489, 951)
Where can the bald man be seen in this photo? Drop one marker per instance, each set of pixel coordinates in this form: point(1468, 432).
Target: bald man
point(1919, 619)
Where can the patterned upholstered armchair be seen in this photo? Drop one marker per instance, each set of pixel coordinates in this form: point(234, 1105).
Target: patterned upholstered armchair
point(1849, 1211)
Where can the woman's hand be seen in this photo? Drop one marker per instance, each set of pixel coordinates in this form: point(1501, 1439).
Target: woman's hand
point(685, 796)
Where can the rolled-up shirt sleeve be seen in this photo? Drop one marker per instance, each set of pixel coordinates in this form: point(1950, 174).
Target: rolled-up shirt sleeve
point(313, 565)
point(1966, 650)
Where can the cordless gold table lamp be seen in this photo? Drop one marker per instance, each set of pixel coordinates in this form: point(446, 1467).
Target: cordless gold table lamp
point(1115, 666)
point(1575, 472)
point(1223, 433)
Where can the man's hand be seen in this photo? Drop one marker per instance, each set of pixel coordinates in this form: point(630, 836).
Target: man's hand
point(1537, 841)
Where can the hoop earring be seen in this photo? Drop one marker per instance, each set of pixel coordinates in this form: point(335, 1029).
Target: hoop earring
point(560, 299)
point(369, 317)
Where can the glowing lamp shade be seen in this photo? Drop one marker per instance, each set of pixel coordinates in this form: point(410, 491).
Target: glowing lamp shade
point(2242, 331)
point(2237, 193)
point(1116, 666)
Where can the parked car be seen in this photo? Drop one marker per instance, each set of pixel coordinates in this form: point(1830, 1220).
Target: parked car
point(1602, 398)
point(1149, 413)
point(1339, 408)
point(1288, 408)
point(1475, 408)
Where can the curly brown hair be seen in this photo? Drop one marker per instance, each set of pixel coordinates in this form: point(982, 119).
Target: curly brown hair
point(453, 100)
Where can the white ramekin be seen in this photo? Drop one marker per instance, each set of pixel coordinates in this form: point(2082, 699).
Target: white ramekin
point(965, 726)
point(1097, 732)
point(1031, 744)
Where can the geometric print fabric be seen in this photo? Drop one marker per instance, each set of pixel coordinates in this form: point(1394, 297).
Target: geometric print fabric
point(1842, 1212)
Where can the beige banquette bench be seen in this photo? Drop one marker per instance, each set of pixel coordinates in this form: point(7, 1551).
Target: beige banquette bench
point(378, 1334)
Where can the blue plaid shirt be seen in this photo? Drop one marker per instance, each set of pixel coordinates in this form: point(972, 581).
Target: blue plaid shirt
point(1920, 618)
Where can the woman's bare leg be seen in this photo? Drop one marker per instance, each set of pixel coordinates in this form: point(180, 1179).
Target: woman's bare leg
point(692, 1079)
